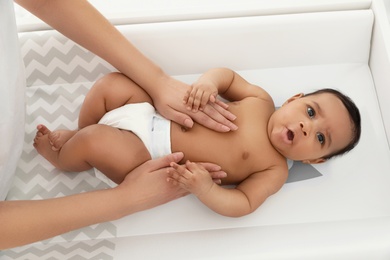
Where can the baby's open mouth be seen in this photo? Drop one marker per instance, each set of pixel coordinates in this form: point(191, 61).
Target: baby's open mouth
point(290, 135)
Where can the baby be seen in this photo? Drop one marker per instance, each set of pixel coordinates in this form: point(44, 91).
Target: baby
point(119, 129)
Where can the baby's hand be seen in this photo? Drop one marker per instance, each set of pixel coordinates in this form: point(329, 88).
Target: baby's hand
point(192, 177)
point(200, 93)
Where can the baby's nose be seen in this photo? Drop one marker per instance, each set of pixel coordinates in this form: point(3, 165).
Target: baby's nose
point(303, 128)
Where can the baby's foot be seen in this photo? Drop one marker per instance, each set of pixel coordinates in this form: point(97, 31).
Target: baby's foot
point(42, 130)
point(59, 137)
point(43, 146)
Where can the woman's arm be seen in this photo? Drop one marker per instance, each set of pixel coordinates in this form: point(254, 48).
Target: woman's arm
point(81, 22)
point(23, 222)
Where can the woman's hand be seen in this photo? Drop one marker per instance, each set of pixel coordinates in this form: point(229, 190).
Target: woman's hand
point(168, 99)
point(192, 177)
point(146, 186)
point(214, 171)
point(201, 93)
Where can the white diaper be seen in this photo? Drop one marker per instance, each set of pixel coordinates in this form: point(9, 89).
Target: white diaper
point(143, 120)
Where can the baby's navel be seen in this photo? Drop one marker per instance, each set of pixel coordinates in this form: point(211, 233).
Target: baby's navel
point(183, 129)
point(245, 155)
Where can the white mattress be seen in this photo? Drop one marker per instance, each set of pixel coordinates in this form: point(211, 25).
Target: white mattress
point(285, 54)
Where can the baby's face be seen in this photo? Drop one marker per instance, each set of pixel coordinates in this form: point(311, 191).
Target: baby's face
point(310, 128)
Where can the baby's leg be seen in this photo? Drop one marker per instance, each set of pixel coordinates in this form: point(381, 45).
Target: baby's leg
point(114, 152)
point(112, 91)
point(59, 137)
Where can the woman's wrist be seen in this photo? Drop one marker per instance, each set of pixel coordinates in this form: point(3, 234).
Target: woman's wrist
point(125, 202)
point(159, 84)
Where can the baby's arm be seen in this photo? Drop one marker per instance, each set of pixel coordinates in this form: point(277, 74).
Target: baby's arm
point(237, 202)
point(205, 90)
point(224, 82)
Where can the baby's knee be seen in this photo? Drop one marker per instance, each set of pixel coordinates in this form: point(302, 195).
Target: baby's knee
point(107, 80)
point(91, 137)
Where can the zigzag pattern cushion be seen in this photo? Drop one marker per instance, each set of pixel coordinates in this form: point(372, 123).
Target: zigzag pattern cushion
point(59, 74)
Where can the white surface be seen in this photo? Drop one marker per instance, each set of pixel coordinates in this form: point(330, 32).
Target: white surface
point(12, 86)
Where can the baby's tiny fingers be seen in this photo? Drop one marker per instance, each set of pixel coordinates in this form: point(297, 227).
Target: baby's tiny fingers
point(186, 96)
point(192, 97)
point(179, 168)
point(181, 171)
point(173, 181)
point(194, 166)
point(204, 101)
point(173, 174)
point(197, 101)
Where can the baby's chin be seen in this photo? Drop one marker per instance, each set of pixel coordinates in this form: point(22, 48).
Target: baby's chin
point(290, 155)
point(292, 158)
point(286, 154)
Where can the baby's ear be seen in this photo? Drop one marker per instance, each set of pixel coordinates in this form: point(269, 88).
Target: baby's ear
point(296, 96)
point(314, 161)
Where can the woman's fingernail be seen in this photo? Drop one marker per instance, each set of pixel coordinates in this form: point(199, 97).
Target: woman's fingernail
point(188, 123)
point(225, 128)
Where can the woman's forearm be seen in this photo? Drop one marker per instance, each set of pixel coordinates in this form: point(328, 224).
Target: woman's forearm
point(82, 23)
point(24, 222)
point(95, 33)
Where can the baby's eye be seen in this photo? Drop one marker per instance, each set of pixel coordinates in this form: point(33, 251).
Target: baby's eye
point(321, 138)
point(311, 112)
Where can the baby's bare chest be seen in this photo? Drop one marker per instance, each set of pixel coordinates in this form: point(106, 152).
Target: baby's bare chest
point(240, 153)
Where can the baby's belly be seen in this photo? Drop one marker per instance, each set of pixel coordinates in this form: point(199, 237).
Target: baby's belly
point(200, 144)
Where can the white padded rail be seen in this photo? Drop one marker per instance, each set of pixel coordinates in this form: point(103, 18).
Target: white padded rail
point(380, 61)
point(148, 11)
point(128, 12)
point(274, 41)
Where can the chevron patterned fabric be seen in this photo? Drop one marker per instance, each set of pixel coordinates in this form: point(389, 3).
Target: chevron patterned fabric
point(88, 250)
point(51, 58)
point(59, 74)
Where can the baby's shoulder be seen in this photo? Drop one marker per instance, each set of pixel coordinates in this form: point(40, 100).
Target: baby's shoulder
point(259, 101)
point(255, 108)
point(275, 166)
